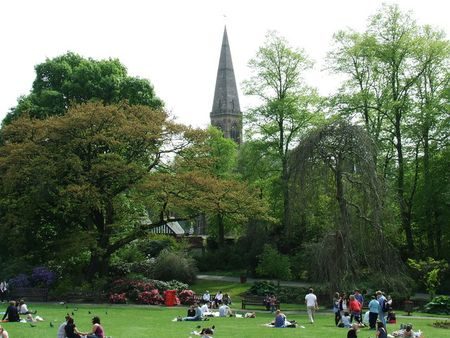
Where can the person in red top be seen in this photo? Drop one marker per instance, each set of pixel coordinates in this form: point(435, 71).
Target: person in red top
point(355, 309)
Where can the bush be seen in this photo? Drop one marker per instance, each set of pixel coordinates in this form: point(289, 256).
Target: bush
point(186, 297)
point(272, 264)
point(42, 277)
point(150, 297)
point(171, 285)
point(263, 288)
point(439, 305)
point(20, 281)
point(117, 298)
point(171, 265)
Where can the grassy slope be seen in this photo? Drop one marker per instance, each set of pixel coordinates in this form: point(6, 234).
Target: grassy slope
point(123, 321)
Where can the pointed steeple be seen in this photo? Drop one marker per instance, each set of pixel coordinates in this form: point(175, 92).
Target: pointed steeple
point(226, 112)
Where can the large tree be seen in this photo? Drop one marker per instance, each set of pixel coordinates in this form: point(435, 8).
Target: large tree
point(388, 70)
point(287, 106)
point(68, 182)
point(83, 185)
point(70, 79)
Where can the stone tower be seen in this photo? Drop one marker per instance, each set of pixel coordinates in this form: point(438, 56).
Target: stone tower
point(226, 113)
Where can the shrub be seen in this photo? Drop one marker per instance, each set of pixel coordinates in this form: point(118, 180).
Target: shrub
point(20, 281)
point(186, 297)
point(263, 288)
point(439, 305)
point(117, 298)
point(42, 277)
point(272, 264)
point(170, 265)
point(150, 297)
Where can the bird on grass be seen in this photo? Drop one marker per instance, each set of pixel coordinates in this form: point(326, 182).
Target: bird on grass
point(32, 325)
point(51, 324)
point(89, 312)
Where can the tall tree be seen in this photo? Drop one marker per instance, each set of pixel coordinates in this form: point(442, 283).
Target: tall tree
point(287, 106)
point(383, 67)
point(70, 181)
point(70, 79)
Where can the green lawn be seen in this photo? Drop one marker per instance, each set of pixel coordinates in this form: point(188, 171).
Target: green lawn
point(123, 321)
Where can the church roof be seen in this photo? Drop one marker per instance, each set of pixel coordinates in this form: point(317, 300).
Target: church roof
point(226, 99)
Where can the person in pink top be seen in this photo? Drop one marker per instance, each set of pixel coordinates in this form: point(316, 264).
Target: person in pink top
point(97, 329)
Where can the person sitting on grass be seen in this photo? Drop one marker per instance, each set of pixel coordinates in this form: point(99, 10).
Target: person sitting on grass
point(345, 321)
point(61, 332)
point(97, 330)
point(3, 333)
point(207, 332)
point(71, 329)
point(23, 308)
point(191, 311)
point(198, 315)
point(225, 311)
point(11, 314)
point(381, 330)
point(353, 332)
point(280, 321)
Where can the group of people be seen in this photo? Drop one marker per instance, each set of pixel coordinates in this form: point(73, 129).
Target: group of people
point(198, 312)
point(270, 302)
point(68, 329)
point(217, 300)
point(15, 309)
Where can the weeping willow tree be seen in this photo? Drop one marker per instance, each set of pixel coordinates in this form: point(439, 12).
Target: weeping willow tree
point(338, 204)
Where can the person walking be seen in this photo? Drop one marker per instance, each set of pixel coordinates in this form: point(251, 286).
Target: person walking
point(374, 308)
point(311, 305)
point(381, 313)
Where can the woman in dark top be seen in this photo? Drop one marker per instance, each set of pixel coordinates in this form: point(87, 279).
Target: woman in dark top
point(11, 312)
point(71, 329)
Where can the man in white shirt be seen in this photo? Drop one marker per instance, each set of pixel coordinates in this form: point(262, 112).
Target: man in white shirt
point(311, 305)
point(206, 297)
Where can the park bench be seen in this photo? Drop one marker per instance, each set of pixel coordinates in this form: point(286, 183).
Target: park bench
point(256, 300)
point(29, 294)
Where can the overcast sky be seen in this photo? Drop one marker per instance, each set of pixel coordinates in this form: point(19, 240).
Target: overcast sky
point(176, 43)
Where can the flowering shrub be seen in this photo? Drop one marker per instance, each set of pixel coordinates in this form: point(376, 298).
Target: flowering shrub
point(117, 298)
point(186, 297)
point(20, 281)
point(42, 276)
point(150, 297)
point(172, 285)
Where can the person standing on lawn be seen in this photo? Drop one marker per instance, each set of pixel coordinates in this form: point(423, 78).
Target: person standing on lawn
point(311, 305)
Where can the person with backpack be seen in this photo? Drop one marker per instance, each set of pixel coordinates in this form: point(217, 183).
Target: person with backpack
point(384, 307)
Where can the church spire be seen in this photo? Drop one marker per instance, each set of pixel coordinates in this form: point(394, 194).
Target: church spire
point(226, 112)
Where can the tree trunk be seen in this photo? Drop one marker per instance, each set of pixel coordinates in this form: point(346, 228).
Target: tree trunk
point(221, 239)
point(405, 213)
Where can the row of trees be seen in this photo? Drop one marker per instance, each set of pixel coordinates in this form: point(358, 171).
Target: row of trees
point(341, 185)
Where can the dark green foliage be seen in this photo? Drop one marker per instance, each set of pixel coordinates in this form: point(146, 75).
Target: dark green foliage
point(177, 265)
point(70, 79)
point(263, 288)
point(272, 264)
point(439, 305)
